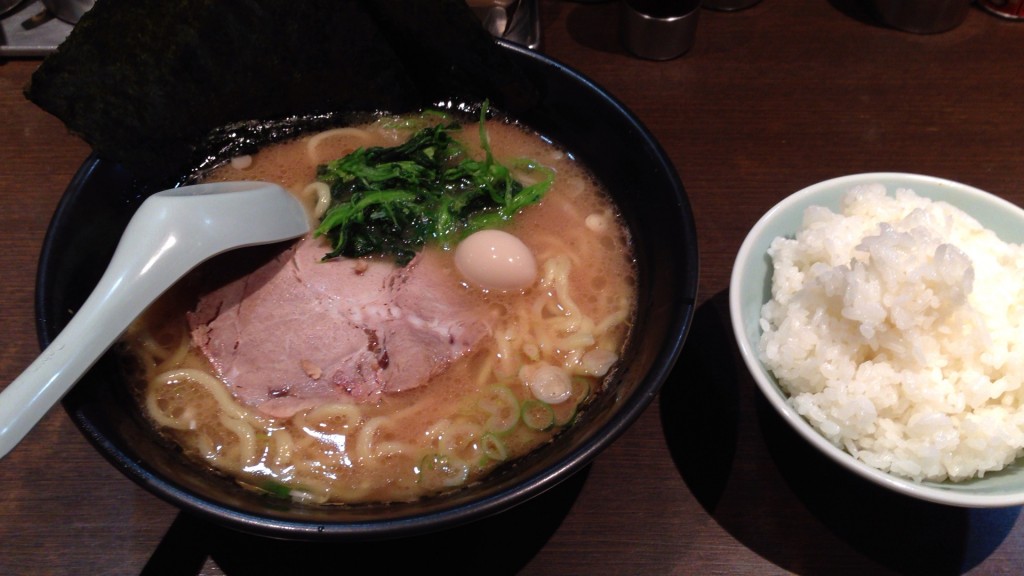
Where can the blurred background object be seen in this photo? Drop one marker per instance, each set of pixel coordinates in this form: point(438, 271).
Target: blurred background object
point(659, 29)
point(512, 20)
point(1011, 9)
point(729, 5)
point(68, 10)
point(922, 16)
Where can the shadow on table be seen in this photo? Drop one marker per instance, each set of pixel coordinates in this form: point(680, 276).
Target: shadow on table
point(596, 26)
point(862, 11)
point(501, 544)
point(784, 500)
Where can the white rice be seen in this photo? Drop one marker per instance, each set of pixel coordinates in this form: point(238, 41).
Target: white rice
point(897, 328)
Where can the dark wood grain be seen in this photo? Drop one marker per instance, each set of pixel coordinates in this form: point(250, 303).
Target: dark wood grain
point(769, 100)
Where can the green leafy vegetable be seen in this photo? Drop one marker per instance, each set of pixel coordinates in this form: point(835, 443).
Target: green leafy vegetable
point(393, 200)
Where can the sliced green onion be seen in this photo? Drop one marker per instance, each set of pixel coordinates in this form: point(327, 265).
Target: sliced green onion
point(460, 438)
point(275, 488)
point(493, 448)
point(566, 412)
point(538, 415)
point(441, 471)
point(502, 407)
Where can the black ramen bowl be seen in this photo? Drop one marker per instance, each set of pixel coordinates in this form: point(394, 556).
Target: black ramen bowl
point(577, 115)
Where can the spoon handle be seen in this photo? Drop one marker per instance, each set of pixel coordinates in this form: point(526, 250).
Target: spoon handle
point(170, 233)
point(25, 401)
point(123, 292)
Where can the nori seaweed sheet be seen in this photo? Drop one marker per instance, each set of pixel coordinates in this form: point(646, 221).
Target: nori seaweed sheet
point(144, 81)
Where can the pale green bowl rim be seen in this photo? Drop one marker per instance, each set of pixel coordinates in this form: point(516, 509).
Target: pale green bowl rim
point(749, 289)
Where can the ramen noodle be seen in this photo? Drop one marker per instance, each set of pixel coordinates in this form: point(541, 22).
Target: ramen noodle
point(547, 350)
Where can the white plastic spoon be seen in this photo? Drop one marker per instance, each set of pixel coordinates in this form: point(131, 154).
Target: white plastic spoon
point(171, 233)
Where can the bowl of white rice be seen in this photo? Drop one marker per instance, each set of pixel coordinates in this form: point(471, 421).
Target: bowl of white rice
point(882, 315)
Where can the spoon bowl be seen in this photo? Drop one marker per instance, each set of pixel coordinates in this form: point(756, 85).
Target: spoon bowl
point(171, 233)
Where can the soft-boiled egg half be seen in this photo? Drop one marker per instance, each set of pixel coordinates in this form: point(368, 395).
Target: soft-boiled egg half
point(496, 260)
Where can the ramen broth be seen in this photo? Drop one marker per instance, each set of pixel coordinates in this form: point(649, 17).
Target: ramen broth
point(478, 413)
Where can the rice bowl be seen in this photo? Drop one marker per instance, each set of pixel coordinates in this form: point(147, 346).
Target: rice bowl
point(751, 288)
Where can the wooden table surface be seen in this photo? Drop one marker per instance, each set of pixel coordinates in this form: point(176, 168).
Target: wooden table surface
point(769, 100)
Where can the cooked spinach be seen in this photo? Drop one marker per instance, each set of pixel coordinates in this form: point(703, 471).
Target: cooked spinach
point(393, 200)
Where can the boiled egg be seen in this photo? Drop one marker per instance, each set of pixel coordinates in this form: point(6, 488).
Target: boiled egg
point(496, 260)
